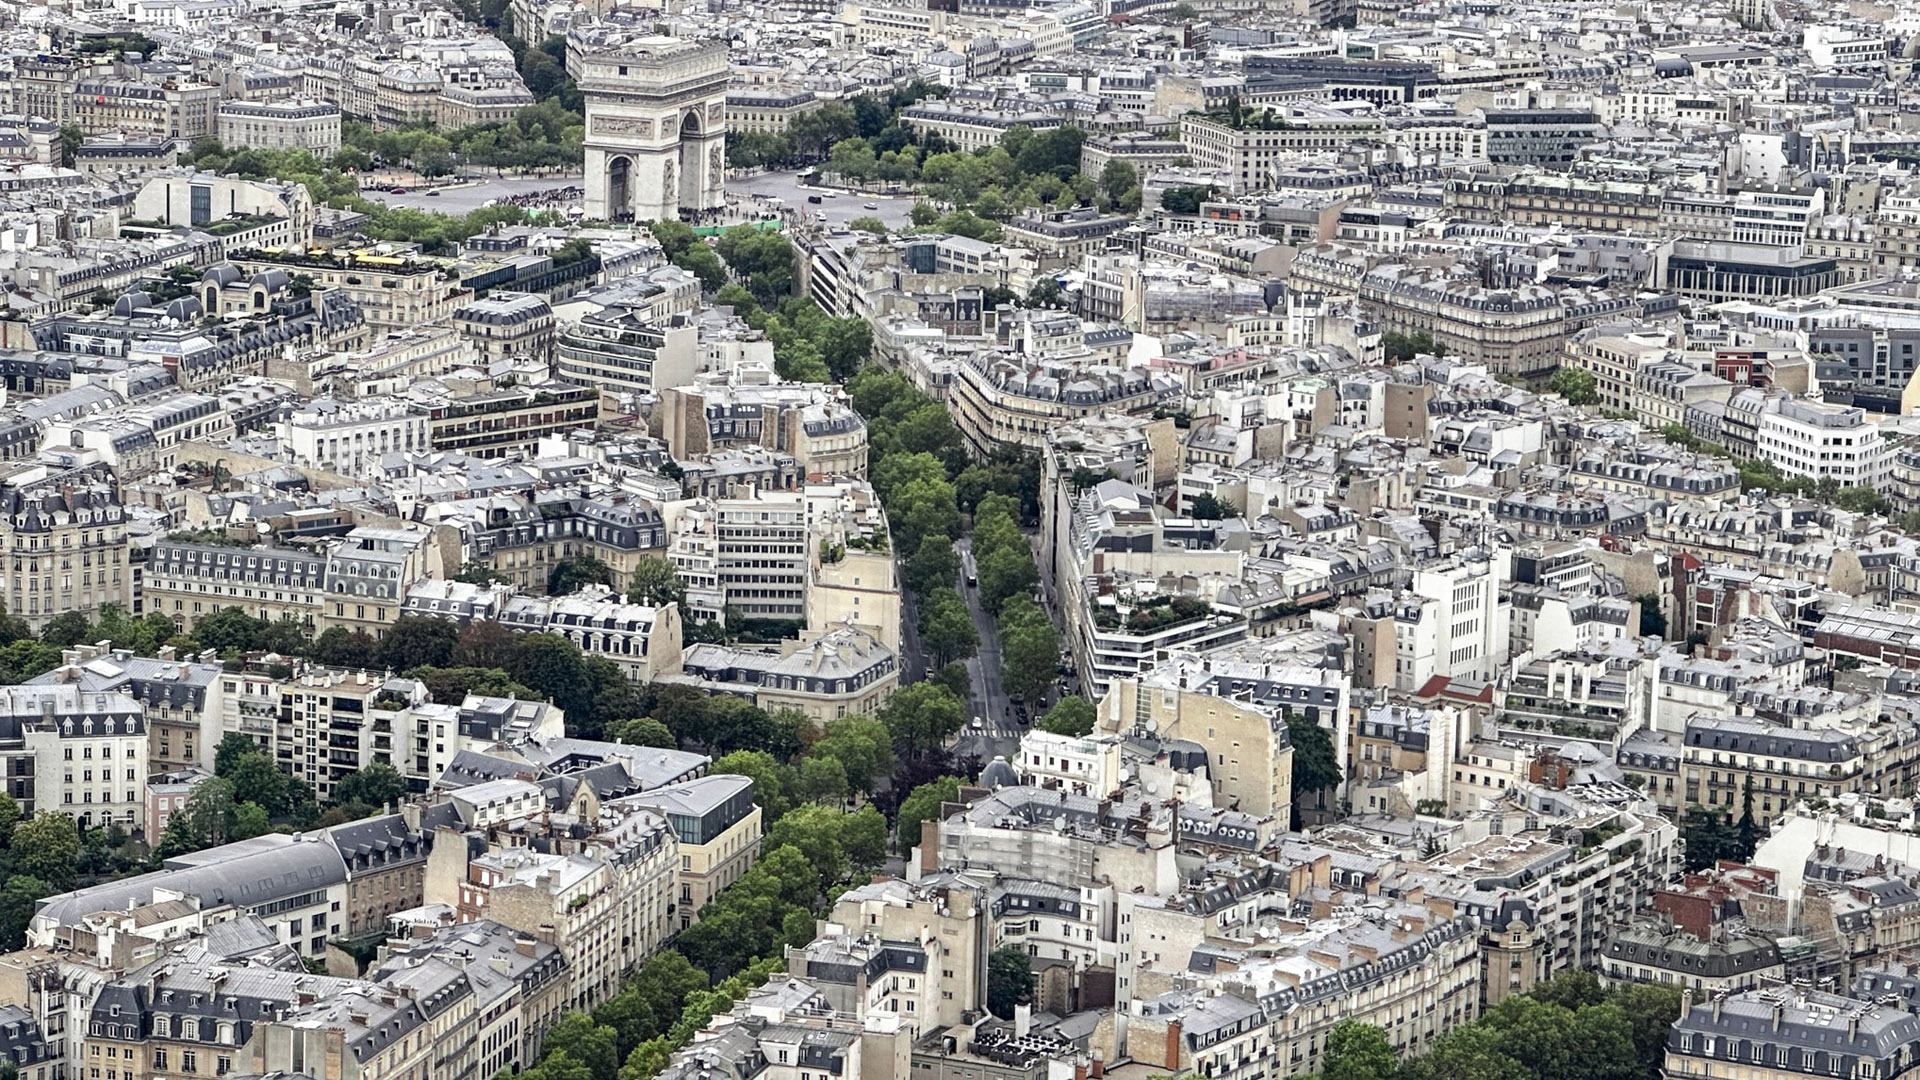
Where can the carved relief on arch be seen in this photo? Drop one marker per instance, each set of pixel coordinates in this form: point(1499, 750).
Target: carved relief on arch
point(622, 125)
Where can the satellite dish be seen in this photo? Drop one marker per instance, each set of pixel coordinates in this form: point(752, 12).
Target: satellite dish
point(263, 528)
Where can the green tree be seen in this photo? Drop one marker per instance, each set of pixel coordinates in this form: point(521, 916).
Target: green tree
point(1356, 1051)
point(1650, 1011)
point(571, 575)
point(66, 629)
point(733, 723)
point(821, 779)
point(1185, 200)
point(484, 644)
point(552, 667)
point(9, 817)
point(762, 258)
point(868, 225)
point(594, 1045)
point(1117, 177)
point(18, 899)
point(283, 636)
point(1537, 1035)
point(700, 261)
point(648, 1059)
point(339, 647)
point(946, 626)
point(923, 804)
point(1009, 979)
point(1577, 385)
point(377, 785)
point(23, 660)
point(1046, 293)
point(656, 583)
point(769, 787)
point(1573, 989)
point(956, 679)
point(256, 779)
point(819, 833)
point(249, 821)
point(1029, 648)
point(46, 847)
point(1468, 1052)
point(1315, 768)
point(478, 574)
point(922, 716)
point(227, 628)
point(233, 747)
point(72, 137)
point(642, 731)
point(450, 686)
point(1072, 715)
point(1862, 500)
point(863, 835)
point(1653, 620)
point(1209, 507)
point(13, 628)
point(672, 237)
point(934, 565)
point(1747, 834)
point(1708, 837)
point(862, 744)
point(416, 640)
point(1403, 347)
point(1006, 573)
point(845, 345)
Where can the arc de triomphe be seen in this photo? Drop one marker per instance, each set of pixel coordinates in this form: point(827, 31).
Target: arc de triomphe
point(656, 139)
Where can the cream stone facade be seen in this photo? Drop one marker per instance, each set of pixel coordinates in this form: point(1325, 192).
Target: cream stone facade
point(656, 123)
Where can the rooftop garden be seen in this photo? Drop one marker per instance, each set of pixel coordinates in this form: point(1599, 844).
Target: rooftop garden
point(1153, 614)
point(876, 543)
point(240, 223)
point(1240, 118)
point(206, 536)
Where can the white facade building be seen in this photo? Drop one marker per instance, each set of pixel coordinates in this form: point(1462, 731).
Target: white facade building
point(1817, 440)
point(349, 437)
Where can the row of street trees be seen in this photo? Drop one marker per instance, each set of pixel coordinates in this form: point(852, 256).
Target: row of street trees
point(872, 117)
point(740, 941)
point(1569, 1028)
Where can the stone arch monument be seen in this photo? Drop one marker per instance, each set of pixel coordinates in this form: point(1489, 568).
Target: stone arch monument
point(656, 140)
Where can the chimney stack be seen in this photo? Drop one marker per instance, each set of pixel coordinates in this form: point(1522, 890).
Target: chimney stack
point(1023, 1022)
